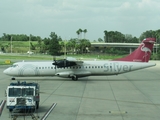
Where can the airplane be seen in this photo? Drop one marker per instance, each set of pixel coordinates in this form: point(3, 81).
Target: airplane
point(74, 69)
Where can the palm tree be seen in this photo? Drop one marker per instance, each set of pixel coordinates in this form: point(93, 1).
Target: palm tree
point(78, 33)
point(85, 31)
point(106, 36)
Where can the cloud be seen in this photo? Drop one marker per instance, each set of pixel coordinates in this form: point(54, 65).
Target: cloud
point(65, 17)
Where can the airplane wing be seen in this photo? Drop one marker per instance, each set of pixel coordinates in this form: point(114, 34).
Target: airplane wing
point(68, 62)
point(71, 59)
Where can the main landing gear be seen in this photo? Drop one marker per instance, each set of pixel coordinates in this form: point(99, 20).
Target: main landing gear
point(75, 78)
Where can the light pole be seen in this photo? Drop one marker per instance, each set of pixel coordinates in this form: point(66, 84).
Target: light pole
point(156, 48)
point(11, 44)
point(29, 45)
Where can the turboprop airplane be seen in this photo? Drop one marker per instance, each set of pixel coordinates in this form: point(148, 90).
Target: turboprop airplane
point(74, 69)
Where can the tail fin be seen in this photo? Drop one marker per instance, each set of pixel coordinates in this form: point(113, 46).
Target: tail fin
point(142, 53)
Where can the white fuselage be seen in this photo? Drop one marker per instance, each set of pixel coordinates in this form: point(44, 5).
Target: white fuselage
point(87, 68)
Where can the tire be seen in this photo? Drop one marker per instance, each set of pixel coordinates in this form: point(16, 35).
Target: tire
point(37, 105)
point(10, 110)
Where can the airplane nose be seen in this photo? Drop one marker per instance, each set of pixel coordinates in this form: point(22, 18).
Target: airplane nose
point(5, 71)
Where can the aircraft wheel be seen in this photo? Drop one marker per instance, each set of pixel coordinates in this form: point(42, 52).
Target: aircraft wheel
point(75, 78)
point(13, 78)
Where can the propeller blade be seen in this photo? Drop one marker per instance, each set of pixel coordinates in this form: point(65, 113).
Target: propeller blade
point(64, 62)
point(55, 62)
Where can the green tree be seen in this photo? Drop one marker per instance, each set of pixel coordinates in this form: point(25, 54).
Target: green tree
point(78, 33)
point(71, 45)
point(105, 36)
point(100, 40)
point(46, 42)
point(147, 34)
point(54, 46)
point(32, 46)
point(114, 36)
point(2, 49)
point(80, 30)
point(39, 44)
point(157, 34)
point(85, 31)
point(84, 45)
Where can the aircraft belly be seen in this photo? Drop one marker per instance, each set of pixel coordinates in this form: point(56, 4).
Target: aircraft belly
point(67, 74)
point(104, 72)
point(82, 73)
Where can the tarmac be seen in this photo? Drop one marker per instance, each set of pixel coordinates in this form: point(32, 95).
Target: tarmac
point(129, 96)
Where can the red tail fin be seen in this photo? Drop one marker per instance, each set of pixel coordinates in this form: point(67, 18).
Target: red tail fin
point(142, 53)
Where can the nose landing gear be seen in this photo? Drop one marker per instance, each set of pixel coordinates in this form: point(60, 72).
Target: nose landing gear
point(13, 78)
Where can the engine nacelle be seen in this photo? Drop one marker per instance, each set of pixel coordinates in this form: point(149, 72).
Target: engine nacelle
point(70, 74)
point(63, 74)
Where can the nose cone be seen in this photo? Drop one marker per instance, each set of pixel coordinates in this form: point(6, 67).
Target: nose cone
point(6, 71)
point(10, 71)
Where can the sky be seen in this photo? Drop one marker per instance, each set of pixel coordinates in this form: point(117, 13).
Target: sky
point(65, 17)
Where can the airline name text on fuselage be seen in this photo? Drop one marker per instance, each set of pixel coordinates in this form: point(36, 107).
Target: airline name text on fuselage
point(116, 67)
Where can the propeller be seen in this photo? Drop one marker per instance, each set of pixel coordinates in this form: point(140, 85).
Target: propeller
point(59, 63)
point(65, 62)
point(55, 62)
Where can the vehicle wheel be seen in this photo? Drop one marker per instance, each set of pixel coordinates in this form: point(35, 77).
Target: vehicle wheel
point(10, 110)
point(37, 105)
point(13, 78)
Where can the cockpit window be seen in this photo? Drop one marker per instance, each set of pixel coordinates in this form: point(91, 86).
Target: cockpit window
point(14, 65)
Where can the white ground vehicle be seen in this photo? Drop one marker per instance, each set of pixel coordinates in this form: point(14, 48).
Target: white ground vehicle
point(23, 95)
